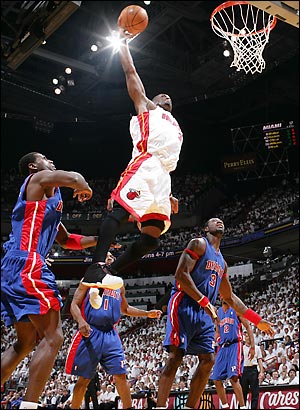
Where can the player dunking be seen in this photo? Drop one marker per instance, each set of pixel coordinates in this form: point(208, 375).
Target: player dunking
point(30, 299)
point(144, 189)
point(200, 275)
point(97, 340)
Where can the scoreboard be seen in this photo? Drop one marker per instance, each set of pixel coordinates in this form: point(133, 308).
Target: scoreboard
point(262, 150)
point(279, 135)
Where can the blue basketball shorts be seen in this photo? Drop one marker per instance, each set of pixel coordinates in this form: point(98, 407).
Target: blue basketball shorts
point(229, 362)
point(102, 347)
point(188, 327)
point(28, 287)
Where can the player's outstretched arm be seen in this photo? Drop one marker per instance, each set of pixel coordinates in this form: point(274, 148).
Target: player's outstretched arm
point(242, 310)
point(128, 310)
point(73, 241)
point(43, 182)
point(134, 84)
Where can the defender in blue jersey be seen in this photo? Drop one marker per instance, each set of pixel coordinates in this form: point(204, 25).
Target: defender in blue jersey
point(200, 275)
point(97, 340)
point(30, 299)
point(230, 358)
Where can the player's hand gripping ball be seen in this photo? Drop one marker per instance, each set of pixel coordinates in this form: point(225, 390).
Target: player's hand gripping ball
point(133, 19)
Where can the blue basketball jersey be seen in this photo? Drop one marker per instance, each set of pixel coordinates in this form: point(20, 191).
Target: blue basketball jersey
point(230, 326)
point(27, 284)
point(229, 358)
point(207, 273)
point(189, 326)
point(35, 223)
point(104, 344)
point(108, 314)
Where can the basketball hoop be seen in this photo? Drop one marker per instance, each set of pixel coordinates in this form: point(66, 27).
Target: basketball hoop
point(247, 29)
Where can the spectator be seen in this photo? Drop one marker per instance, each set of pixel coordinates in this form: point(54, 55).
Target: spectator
point(65, 400)
point(293, 378)
point(108, 399)
point(283, 376)
point(102, 395)
point(275, 378)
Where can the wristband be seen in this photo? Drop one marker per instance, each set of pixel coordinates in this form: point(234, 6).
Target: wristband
point(252, 316)
point(74, 242)
point(204, 301)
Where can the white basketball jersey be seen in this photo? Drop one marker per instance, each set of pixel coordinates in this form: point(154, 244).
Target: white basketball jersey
point(158, 133)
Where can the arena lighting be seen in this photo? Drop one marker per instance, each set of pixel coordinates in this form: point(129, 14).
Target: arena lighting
point(147, 3)
point(68, 70)
point(54, 81)
point(226, 53)
point(59, 89)
point(94, 48)
point(115, 41)
point(43, 23)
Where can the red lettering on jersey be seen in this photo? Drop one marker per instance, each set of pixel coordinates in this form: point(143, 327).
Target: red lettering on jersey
point(226, 320)
point(112, 293)
point(59, 207)
point(213, 265)
point(213, 279)
point(175, 123)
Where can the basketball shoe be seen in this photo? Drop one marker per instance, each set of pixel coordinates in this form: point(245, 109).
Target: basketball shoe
point(99, 275)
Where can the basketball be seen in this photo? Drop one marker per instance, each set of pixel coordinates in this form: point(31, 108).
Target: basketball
point(134, 19)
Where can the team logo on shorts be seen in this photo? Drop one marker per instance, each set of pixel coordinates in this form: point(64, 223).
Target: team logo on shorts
point(133, 193)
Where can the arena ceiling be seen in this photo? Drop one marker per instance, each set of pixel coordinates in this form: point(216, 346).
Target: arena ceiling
point(178, 54)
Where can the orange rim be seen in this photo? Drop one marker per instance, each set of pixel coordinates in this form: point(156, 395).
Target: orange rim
point(227, 4)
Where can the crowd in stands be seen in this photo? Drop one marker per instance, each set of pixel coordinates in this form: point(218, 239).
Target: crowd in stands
point(186, 188)
point(275, 205)
point(142, 340)
point(242, 215)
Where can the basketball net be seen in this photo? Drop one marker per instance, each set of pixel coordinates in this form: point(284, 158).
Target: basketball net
point(247, 29)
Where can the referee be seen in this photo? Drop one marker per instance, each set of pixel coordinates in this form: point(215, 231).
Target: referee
point(250, 375)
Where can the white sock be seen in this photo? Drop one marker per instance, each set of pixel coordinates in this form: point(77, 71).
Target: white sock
point(28, 405)
point(95, 298)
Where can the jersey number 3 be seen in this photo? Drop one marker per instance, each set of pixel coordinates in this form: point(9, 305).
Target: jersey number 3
point(213, 279)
